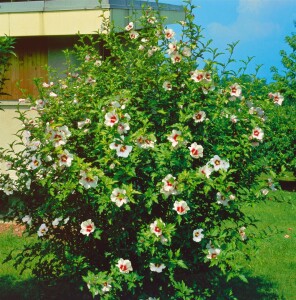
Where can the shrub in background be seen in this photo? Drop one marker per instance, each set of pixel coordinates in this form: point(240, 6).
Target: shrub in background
point(135, 170)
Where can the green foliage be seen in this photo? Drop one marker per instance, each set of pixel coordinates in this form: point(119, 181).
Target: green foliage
point(6, 50)
point(135, 170)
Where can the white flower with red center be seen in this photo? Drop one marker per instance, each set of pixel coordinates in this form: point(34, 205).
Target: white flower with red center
point(218, 163)
point(176, 57)
point(235, 90)
point(8, 188)
point(119, 197)
point(40, 104)
point(199, 116)
point(60, 135)
point(196, 150)
point(169, 185)
point(242, 233)
point(87, 180)
point(213, 253)
point(156, 267)
point(221, 199)
point(156, 226)
point(65, 158)
point(277, 98)
point(152, 20)
point(181, 207)
point(27, 219)
point(87, 227)
point(129, 26)
point(257, 134)
point(122, 127)
point(81, 124)
point(198, 235)
point(123, 150)
point(134, 35)
point(172, 48)
point(144, 142)
point(42, 230)
point(174, 137)
point(186, 51)
point(167, 86)
point(197, 76)
point(35, 162)
point(106, 287)
point(206, 170)
point(124, 265)
point(233, 119)
point(111, 119)
point(208, 76)
point(169, 33)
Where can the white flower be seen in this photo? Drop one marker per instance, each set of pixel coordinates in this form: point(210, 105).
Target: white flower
point(56, 221)
point(257, 133)
point(186, 51)
point(111, 119)
point(124, 265)
point(60, 135)
point(144, 142)
point(129, 26)
point(65, 158)
point(87, 227)
point(35, 162)
point(213, 253)
point(27, 219)
point(176, 57)
point(123, 128)
point(172, 48)
point(42, 230)
point(197, 235)
point(169, 33)
point(208, 76)
point(197, 75)
point(155, 227)
point(235, 90)
point(87, 180)
point(157, 267)
point(119, 197)
point(174, 137)
point(277, 98)
point(218, 163)
point(134, 35)
point(181, 207)
point(196, 151)
point(53, 95)
point(233, 119)
point(242, 233)
point(8, 188)
point(169, 185)
point(123, 150)
point(206, 170)
point(66, 220)
point(106, 287)
point(199, 116)
point(83, 123)
point(222, 199)
point(167, 86)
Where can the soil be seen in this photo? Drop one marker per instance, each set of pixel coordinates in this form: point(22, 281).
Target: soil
point(10, 227)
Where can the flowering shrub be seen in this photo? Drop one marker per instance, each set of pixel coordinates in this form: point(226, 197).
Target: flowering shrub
point(135, 170)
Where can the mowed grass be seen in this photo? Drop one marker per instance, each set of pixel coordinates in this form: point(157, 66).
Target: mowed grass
point(271, 271)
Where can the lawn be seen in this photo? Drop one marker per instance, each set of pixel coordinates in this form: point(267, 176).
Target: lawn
point(271, 272)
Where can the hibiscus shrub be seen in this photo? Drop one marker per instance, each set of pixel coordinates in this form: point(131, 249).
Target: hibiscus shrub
point(135, 169)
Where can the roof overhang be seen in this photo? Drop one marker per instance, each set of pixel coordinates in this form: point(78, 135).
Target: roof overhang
point(68, 17)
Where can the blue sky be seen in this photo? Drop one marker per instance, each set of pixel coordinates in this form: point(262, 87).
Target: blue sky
point(259, 25)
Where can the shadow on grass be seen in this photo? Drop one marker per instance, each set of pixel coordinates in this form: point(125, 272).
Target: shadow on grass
point(257, 288)
point(12, 289)
point(33, 289)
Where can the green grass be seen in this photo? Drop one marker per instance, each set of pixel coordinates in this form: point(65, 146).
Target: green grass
point(271, 271)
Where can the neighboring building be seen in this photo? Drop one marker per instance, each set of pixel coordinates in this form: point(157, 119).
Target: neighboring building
point(43, 29)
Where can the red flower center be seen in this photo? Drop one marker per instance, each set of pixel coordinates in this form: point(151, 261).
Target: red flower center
point(256, 132)
point(123, 267)
point(217, 162)
point(113, 119)
point(64, 158)
point(89, 228)
point(194, 151)
point(157, 229)
point(180, 209)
